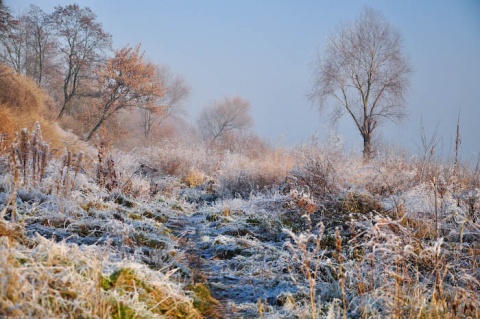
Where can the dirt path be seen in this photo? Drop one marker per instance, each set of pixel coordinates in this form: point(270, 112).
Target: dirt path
point(222, 259)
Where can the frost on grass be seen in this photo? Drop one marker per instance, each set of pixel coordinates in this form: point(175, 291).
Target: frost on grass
point(192, 232)
point(49, 279)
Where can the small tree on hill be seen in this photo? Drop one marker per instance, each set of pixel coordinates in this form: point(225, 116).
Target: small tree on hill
point(363, 73)
point(126, 81)
point(220, 118)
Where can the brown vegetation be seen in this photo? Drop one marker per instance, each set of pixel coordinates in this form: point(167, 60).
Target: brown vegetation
point(116, 234)
point(22, 104)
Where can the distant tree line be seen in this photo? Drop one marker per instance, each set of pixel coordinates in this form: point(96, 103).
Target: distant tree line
point(69, 54)
point(362, 73)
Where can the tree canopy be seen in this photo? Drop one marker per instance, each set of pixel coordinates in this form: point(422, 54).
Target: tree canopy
point(126, 81)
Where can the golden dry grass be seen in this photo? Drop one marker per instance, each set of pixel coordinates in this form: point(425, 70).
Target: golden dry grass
point(20, 93)
point(194, 178)
point(22, 103)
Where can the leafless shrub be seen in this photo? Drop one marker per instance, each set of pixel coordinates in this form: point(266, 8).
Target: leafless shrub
point(391, 172)
point(240, 176)
point(316, 169)
point(194, 178)
point(428, 148)
point(241, 184)
point(177, 157)
point(246, 144)
point(221, 118)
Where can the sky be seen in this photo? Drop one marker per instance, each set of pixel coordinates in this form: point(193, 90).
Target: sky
point(264, 51)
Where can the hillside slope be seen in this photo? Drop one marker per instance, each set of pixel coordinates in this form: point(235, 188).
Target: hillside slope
point(22, 104)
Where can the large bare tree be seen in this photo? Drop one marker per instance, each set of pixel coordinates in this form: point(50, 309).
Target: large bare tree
point(83, 43)
point(222, 117)
point(363, 73)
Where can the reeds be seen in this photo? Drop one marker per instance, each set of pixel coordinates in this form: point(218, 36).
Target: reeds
point(106, 173)
point(29, 155)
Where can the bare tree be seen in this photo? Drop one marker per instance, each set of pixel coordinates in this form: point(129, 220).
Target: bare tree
point(125, 81)
point(7, 22)
point(31, 48)
point(83, 43)
point(363, 73)
point(14, 47)
point(220, 118)
point(42, 42)
point(154, 111)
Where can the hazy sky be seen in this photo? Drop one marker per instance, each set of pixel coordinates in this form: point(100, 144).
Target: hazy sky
point(263, 51)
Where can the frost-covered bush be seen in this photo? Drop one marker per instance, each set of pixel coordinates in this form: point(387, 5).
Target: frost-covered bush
point(397, 275)
point(241, 176)
point(176, 157)
point(390, 172)
point(318, 166)
point(30, 165)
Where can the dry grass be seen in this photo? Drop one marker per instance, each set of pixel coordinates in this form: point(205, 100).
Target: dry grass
point(241, 175)
point(194, 178)
point(413, 278)
point(22, 104)
point(51, 280)
point(20, 93)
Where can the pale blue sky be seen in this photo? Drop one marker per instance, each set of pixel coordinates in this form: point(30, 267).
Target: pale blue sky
point(263, 50)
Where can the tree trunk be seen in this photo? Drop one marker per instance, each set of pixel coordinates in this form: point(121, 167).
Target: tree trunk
point(61, 111)
point(367, 147)
point(66, 100)
point(97, 126)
